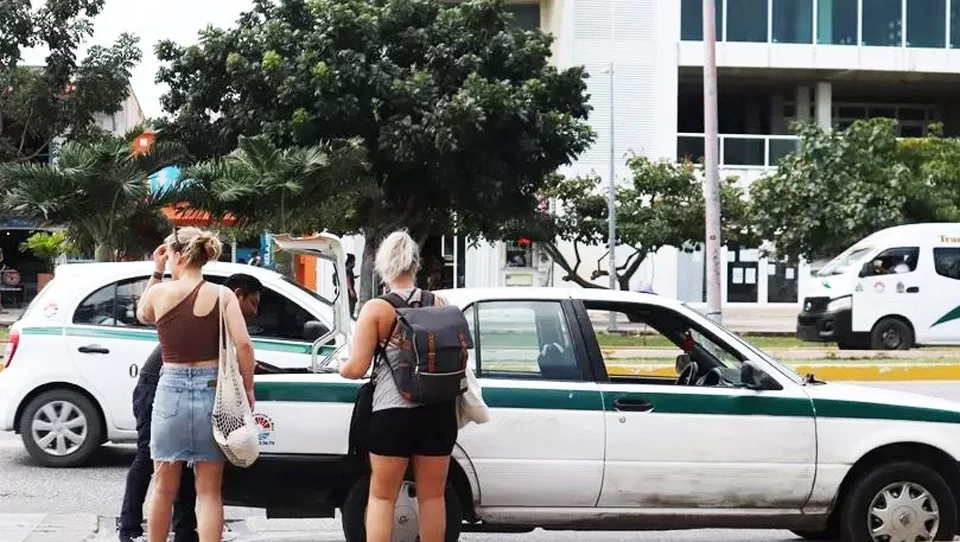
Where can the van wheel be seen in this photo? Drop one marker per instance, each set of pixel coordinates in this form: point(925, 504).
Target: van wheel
point(405, 526)
point(891, 334)
point(898, 502)
point(61, 428)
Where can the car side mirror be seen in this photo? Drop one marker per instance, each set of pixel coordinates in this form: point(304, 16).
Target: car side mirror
point(754, 378)
point(313, 330)
point(866, 269)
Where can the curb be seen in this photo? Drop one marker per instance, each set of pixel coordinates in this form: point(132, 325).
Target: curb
point(881, 372)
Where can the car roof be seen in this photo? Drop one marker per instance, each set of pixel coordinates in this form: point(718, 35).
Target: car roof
point(465, 296)
point(102, 270)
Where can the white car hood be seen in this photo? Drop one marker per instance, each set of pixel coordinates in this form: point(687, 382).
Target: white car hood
point(852, 401)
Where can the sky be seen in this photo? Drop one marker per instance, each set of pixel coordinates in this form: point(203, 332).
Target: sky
point(153, 21)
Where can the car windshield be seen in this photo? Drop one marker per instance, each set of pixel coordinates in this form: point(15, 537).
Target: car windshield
point(735, 339)
point(313, 294)
point(845, 262)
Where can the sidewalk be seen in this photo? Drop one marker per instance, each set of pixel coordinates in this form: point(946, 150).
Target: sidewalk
point(47, 527)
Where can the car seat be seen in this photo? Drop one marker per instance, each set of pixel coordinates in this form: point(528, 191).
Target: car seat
point(554, 364)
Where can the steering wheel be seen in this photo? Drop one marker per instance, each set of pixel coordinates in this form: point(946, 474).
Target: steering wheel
point(713, 378)
point(688, 376)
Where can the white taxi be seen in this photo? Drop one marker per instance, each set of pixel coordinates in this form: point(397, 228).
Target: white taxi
point(735, 440)
point(74, 356)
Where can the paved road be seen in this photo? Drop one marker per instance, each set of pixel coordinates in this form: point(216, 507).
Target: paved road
point(97, 489)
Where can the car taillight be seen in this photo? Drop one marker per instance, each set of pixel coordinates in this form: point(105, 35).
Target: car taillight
point(12, 343)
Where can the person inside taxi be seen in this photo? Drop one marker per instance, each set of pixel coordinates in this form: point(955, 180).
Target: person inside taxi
point(186, 312)
point(400, 431)
point(247, 289)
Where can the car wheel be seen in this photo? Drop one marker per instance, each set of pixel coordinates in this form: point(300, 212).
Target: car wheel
point(61, 428)
point(891, 334)
point(406, 525)
point(899, 502)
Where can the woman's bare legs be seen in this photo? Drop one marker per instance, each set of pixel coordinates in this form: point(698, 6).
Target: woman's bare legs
point(386, 475)
point(431, 477)
point(166, 483)
point(209, 476)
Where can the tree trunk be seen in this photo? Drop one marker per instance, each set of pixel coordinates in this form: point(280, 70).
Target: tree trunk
point(103, 253)
point(367, 273)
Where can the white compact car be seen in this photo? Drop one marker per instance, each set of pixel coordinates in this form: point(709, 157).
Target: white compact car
point(74, 356)
point(579, 438)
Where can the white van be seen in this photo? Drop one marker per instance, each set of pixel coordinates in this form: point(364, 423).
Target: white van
point(896, 288)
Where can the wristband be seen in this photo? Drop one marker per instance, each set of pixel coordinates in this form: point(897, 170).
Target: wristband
point(158, 275)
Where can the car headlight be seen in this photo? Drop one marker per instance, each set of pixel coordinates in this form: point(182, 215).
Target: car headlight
point(840, 304)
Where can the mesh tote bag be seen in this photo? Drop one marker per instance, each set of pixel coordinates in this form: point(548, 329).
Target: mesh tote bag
point(234, 428)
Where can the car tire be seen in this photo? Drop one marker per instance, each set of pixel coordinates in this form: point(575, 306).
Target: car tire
point(76, 428)
point(354, 511)
point(891, 334)
point(926, 489)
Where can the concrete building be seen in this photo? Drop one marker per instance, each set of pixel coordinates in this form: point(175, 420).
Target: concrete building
point(832, 61)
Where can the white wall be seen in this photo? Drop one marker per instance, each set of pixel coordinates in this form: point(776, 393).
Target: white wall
point(127, 118)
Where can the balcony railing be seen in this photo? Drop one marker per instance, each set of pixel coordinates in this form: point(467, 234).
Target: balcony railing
point(740, 150)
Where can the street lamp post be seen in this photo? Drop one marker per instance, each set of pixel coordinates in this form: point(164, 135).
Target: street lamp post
point(711, 185)
point(612, 204)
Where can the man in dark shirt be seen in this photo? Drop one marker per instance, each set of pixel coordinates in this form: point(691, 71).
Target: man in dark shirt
point(247, 288)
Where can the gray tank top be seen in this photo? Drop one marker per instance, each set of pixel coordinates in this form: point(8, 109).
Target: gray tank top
point(385, 393)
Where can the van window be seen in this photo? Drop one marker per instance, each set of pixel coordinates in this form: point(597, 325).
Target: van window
point(893, 261)
point(844, 262)
point(947, 262)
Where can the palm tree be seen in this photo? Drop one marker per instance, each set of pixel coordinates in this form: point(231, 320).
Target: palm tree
point(98, 189)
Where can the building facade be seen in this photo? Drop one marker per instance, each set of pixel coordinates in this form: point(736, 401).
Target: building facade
point(829, 61)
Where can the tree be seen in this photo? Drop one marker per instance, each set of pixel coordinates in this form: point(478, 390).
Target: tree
point(98, 190)
point(459, 112)
point(273, 189)
point(61, 97)
point(842, 185)
point(662, 205)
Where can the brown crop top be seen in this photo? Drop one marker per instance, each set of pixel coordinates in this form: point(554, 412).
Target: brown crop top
point(187, 338)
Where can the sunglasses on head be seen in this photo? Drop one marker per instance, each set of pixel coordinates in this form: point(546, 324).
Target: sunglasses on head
point(177, 247)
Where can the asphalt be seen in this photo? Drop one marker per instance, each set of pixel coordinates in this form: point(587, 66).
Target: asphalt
point(80, 505)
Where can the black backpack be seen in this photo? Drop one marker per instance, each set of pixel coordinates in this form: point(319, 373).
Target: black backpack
point(434, 344)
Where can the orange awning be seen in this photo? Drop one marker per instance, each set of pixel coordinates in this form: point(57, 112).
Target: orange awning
point(182, 215)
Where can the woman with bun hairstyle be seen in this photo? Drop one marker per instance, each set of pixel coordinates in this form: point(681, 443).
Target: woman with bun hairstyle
point(186, 312)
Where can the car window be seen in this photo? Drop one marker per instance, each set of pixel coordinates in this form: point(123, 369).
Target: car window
point(112, 305)
point(278, 316)
point(947, 262)
point(650, 337)
point(893, 261)
point(524, 339)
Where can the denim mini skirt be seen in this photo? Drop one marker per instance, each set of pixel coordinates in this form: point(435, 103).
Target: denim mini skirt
point(181, 429)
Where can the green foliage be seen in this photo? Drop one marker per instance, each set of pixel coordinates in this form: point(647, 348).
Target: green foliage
point(47, 246)
point(98, 190)
point(458, 111)
point(39, 103)
point(662, 205)
point(841, 186)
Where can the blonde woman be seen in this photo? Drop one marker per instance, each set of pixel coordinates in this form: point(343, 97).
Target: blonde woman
point(187, 316)
point(400, 431)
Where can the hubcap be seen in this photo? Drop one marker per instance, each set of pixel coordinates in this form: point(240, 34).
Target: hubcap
point(891, 339)
point(406, 525)
point(59, 428)
point(903, 512)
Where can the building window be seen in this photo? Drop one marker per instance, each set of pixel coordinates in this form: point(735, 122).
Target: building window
point(782, 281)
point(837, 22)
point(742, 274)
point(793, 21)
point(519, 253)
point(747, 20)
point(883, 23)
point(691, 19)
point(527, 16)
point(926, 23)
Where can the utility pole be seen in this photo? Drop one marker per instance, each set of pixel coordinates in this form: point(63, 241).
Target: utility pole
point(711, 184)
point(612, 204)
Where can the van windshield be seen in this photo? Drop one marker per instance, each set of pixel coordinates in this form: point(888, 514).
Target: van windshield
point(845, 262)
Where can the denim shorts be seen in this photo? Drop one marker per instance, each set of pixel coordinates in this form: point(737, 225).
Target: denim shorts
point(181, 427)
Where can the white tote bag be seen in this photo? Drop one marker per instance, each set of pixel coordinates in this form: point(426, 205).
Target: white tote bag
point(470, 404)
point(234, 428)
